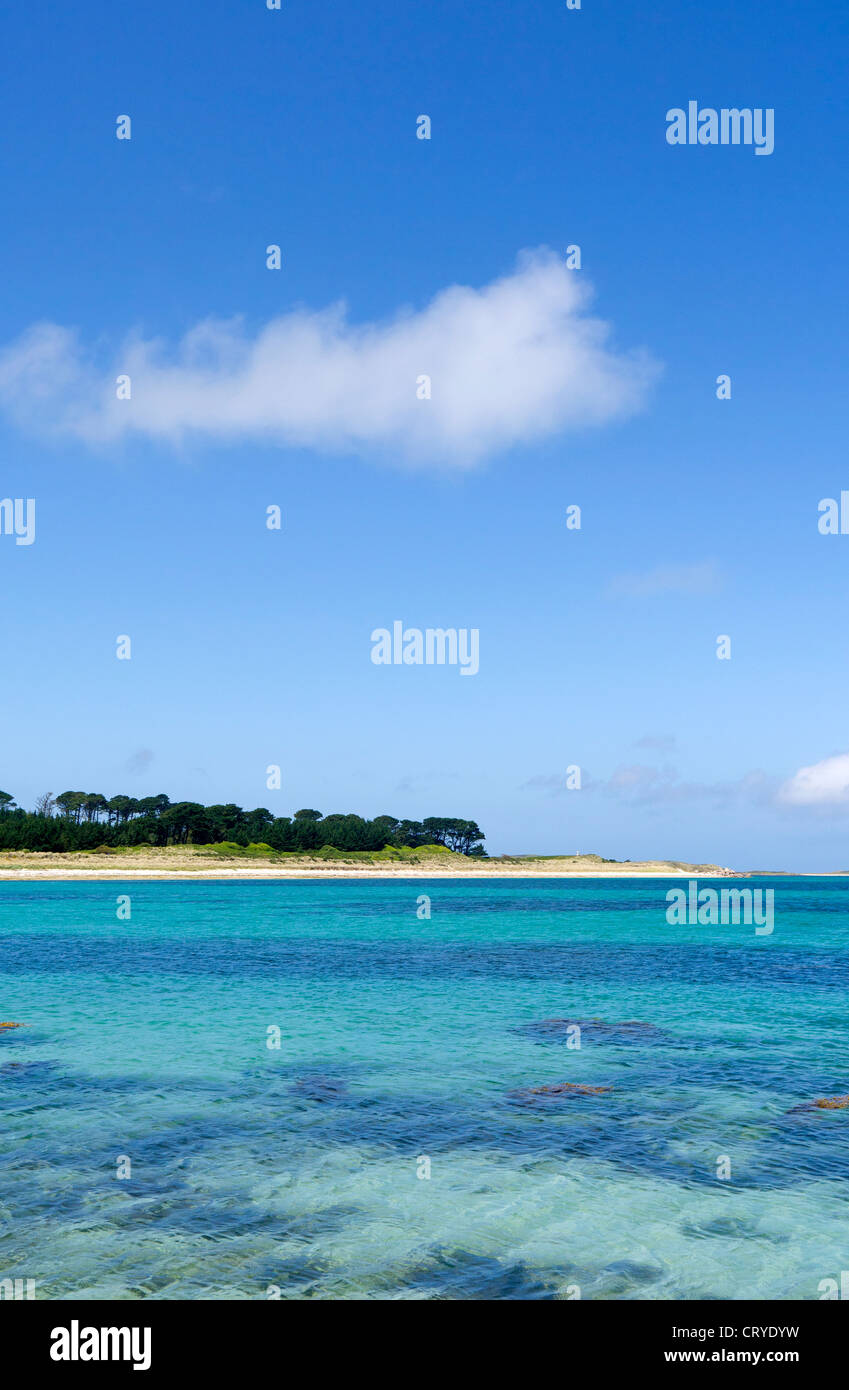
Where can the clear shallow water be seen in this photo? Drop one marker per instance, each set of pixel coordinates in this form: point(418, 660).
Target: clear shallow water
point(296, 1168)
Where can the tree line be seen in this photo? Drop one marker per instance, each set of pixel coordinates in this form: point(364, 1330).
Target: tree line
point(88, 820)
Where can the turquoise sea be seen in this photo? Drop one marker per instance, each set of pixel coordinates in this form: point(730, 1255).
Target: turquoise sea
point(409, 1045)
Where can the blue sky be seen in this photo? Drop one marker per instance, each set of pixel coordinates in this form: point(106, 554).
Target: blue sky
point(597, 647)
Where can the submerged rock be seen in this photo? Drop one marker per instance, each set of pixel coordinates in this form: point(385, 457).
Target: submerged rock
point(563, 1029)
point(560, 1089)
point(319, 1088)
point(823, 1103)
point(44, 1070)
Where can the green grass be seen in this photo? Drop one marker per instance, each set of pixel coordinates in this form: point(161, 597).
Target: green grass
point(227, 849)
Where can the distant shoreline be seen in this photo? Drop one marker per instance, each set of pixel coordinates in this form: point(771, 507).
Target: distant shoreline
point(189, 863)
point(199, 863)
point(248, 875)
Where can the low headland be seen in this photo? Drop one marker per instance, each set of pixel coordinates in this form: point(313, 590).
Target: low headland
point(84, 835)
point(233, 861)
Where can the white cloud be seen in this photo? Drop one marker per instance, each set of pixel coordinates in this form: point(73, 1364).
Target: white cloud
point(516, 361)
point(822, 784)
point(701, 578)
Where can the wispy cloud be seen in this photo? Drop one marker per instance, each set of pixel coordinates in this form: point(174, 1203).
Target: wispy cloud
point(639, 784)
point(140, 760)
point(662, 743)
point(822, 786)
point(825, 783)
point(667, 579)
point(664, 786)
point(515, 361)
